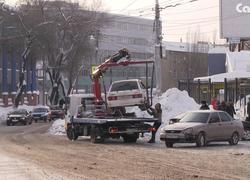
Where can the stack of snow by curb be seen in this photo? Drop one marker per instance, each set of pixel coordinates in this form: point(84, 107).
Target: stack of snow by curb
point(173, 102)
point(57, 127)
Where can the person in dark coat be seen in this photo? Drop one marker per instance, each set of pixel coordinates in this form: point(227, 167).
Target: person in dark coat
point(157, 113)
point(204, 106)
point(222, 106)
point(230, 109)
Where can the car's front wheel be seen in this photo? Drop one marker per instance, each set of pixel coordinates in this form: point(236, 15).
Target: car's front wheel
point(71, 134)
point(234, 139)
point(169, 144)
point(201, 140)
point(8, 123)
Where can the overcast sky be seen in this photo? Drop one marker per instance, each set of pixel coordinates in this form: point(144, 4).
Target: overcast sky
point(199, 16)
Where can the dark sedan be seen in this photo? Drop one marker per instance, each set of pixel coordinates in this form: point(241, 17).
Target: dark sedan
point(57, 112)
point(18, 116)
point(41, 113)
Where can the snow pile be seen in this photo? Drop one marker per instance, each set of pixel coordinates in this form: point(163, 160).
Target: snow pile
point(173, 102)
point(57, 127)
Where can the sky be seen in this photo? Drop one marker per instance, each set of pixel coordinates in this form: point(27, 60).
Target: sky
point(200, 16)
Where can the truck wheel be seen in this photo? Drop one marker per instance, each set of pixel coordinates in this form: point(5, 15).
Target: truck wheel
point(72, 134)
point(169, 144)
point(96, 135)
point(130, 138)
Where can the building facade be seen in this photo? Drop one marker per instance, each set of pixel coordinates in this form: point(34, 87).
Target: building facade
point(132, 33)
point(183, 61)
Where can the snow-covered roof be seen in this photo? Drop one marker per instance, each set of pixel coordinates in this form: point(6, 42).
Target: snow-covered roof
point(238, 61)
point(222, 76)
point(218, 50)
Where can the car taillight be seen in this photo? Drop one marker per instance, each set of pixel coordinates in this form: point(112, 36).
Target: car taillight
point(151, 129)
point(112, 98)
point(137, 96)
point(113, 130)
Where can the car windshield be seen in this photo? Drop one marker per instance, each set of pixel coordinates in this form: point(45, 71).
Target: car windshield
point(198, 117)
point(40, 110)
point(19, 111)
point(124, 86)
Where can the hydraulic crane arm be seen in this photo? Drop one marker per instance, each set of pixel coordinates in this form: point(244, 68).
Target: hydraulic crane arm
point(113, 59)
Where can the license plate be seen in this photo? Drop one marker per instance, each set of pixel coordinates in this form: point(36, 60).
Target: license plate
point(15, 120)
point(172, 136)
point(124, 97)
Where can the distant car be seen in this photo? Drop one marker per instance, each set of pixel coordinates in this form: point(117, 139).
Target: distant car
point(202, 127)
point(57, 112)
point(126, 93)
point(18, 115)
point(41, 113)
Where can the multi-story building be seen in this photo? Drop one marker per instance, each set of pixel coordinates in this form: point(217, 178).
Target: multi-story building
point(132, 33)
point(11, 63)
point(183, 61)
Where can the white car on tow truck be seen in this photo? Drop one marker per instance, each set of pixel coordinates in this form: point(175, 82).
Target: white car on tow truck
point(123, 93)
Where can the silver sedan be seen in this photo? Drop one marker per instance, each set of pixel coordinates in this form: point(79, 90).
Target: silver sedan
point(201, 127)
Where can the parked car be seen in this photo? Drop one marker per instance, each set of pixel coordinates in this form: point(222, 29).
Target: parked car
point(126, 93)
point(41, 113)
point(57, 112)
point(202, 127)
point(18, 115)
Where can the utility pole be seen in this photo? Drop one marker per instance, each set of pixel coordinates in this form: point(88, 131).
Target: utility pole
point(158, 48)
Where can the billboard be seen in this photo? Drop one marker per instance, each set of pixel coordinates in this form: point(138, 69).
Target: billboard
point(235, 19)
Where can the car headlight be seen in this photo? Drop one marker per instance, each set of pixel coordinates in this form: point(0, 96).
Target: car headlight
point(162, 129)
point(188, 131)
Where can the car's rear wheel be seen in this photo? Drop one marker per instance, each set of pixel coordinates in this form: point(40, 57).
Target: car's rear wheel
point(234, 139)
point(96, 135)
point(201, 140)
point(169, 144)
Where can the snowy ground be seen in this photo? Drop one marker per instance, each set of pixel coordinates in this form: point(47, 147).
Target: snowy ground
point(173, 102)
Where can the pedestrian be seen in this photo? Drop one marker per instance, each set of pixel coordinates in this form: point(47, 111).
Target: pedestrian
point(230, 109)
point(248, 110)
point(223, 106)
point(157, 113)
point(204, 106)
point(214, 102)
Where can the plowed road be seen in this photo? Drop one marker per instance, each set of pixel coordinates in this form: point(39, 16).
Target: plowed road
point(29, 152)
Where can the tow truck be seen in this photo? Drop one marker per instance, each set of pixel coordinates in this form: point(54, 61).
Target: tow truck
point(99, 121)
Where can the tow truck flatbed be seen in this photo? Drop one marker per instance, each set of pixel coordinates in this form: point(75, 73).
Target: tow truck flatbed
point(92, 120)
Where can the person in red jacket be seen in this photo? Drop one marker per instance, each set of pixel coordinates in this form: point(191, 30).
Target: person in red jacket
point(214, 103)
